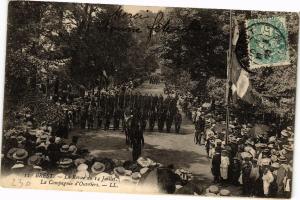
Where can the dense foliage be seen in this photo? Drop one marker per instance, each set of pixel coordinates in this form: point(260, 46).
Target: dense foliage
point(196, 41)
point(88, 45)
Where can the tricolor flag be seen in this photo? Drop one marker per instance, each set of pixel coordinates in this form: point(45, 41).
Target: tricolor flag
point(240, 82)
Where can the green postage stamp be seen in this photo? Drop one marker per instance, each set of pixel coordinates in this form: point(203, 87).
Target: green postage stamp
point(267, 42)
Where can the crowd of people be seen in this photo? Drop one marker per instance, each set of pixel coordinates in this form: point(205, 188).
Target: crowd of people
point(262, 164)
point(257, 159)
point(38, 150)
point(33, 147)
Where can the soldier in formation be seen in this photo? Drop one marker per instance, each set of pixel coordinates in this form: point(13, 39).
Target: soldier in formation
point(108, 111)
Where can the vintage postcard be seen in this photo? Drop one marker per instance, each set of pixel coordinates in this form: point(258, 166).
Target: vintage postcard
point(149, 100)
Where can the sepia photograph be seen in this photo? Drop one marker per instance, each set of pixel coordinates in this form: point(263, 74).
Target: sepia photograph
point(149, 100)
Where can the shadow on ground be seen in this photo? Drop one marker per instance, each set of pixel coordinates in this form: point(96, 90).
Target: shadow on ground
point(112, 145)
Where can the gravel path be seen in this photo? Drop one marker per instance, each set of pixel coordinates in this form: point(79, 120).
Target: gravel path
point(166, 148)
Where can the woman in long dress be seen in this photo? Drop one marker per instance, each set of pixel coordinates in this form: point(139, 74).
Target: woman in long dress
point(224, 165)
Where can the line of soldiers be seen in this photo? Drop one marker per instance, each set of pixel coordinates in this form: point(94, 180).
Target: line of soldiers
point(154, 79)
point(100, 110)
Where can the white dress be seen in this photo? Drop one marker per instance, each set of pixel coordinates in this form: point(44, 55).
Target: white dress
point(224, 167)
point(267, 180)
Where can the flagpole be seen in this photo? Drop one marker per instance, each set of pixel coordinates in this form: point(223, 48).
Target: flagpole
point(229, 56)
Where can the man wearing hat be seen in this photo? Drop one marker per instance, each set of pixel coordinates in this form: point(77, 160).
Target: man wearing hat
point(215, 167)
point(19, 156)
point(263, 154)
point(208, 145)
point(53, 152)
point(167, 179)
point(234, 146)
point(273, 186)
point(254, 175)
point(246, 171)
point(137, 141)
point(281, 173)
point(235, 171)
point(178, 121)
point(218, 147)
point(35, 162)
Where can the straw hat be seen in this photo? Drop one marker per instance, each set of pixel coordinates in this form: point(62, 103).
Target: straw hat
point(265, 161)
point(285, 133)
point(18, 165)
point(98, 167)
point(82, 167)
point(65, 163)
point(291, 139)
point(34, 160)
point(20, 154)
point(144, 162)
point(275, 165)
point(289, 128)
point(282, 158)
point(246, 155)
point(57, 139)
point(72, 149)
point(64, 148)
point(11, 152)
point(287, 147)
point(224, 192)
point(119, 171)
point(213, 189)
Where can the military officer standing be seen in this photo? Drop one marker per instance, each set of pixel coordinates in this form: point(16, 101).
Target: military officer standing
point(177, 120)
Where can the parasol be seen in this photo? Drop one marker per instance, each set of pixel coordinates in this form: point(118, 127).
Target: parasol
point(259, 130)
